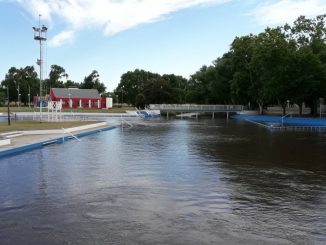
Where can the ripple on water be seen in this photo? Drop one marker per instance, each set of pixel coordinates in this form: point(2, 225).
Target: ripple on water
point(175, 182)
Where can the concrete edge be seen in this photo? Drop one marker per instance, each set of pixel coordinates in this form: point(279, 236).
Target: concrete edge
point(68, 130)
point(33, 146)
point(5, 142)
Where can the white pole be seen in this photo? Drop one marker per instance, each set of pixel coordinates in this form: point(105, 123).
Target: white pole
point(29, 96)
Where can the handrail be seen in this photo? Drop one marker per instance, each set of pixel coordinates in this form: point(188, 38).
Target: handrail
point(122, 121)
point(71, 134)
point(258, 123)
point(285, 117)
point(188, 107)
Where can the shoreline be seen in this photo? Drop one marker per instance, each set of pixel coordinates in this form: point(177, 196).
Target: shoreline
point(31, 141)
point(45, 114)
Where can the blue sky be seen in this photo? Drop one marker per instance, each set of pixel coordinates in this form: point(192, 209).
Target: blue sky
point(116, 36)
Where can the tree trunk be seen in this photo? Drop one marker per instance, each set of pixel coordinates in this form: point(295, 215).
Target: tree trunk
point(261, 108)
point(313, 108)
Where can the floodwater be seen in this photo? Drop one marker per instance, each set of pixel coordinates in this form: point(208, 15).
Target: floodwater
point(169, 182)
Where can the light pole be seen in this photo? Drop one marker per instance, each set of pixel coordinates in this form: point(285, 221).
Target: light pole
point(8, 104)
point(17, 91)
point(121, 98)
point(40, 35)
point(69, 102)
point(29, 96)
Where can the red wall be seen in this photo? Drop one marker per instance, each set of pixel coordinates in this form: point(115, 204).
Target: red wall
point(75, 102)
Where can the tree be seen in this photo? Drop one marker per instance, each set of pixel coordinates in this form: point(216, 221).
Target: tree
point(219, 87)
point(272, 67)
point(56, 74)
point(272, 62)
point(178, 85)
point(71, 84)
point(22, 78)
point(198, 87)
point(158, 91)
point(132, 84)
point(92, 82)
point(3, 96)
point(140, 101)
point(29, 84)
point(309, 79)
point(248, 83)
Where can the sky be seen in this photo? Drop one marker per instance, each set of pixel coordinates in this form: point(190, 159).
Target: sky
point(117, 36)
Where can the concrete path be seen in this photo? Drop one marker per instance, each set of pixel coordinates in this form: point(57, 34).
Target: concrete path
point(38, 136)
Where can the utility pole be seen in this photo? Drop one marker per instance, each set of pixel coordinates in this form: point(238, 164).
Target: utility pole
point(40, 35)
point(8, 104)
point(29, 96)
point(18, 96)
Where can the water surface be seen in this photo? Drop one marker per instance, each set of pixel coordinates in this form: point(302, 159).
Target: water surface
point(169, 182)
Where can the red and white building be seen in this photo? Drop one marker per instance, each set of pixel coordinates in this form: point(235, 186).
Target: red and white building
point(80, 98)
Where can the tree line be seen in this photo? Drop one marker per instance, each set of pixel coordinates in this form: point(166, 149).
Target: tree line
point(277, 66)
point(23, 83)
point(281, 64)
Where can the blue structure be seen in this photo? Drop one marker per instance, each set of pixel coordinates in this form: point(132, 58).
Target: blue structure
point(284, 121)
point(148, 114)
point(38, 145)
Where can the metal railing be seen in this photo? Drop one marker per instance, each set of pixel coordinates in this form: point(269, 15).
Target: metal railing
point(286, 115)
point(193, 107)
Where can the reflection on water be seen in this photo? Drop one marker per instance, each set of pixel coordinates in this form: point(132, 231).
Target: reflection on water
point(169, 182)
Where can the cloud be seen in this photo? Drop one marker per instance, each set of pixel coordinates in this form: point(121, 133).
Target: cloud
point(110, 16)
point(62, 37)
point(286, 11)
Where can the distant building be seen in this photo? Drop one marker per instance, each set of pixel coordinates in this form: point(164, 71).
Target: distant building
point(78, 98)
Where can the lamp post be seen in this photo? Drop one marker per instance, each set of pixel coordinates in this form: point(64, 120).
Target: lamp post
point(70, 102)
point(16, 83)
point(121, 98)
point(8, 104)
point(29, 96)
point(40, 35)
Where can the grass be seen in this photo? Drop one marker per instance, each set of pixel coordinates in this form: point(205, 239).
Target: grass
point(86, 110)
point(37, 125)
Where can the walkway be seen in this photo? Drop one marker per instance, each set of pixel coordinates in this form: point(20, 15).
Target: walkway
point(195, 108)
point(192, 108)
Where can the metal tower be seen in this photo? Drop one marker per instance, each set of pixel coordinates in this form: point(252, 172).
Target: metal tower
point(40, 35)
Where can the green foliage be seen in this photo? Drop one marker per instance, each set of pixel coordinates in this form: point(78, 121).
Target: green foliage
point(3, 97)
point(132, 84)
point(272, 67)
point(71, 84)
point(20, 81)
point(277, 65)
point(57, 73)
point(158, 91)
point(26, 79)
point(141, 87)
point(140, 101)
point(92, 81)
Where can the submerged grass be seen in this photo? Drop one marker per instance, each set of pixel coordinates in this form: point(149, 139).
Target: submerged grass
point(37, 125)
